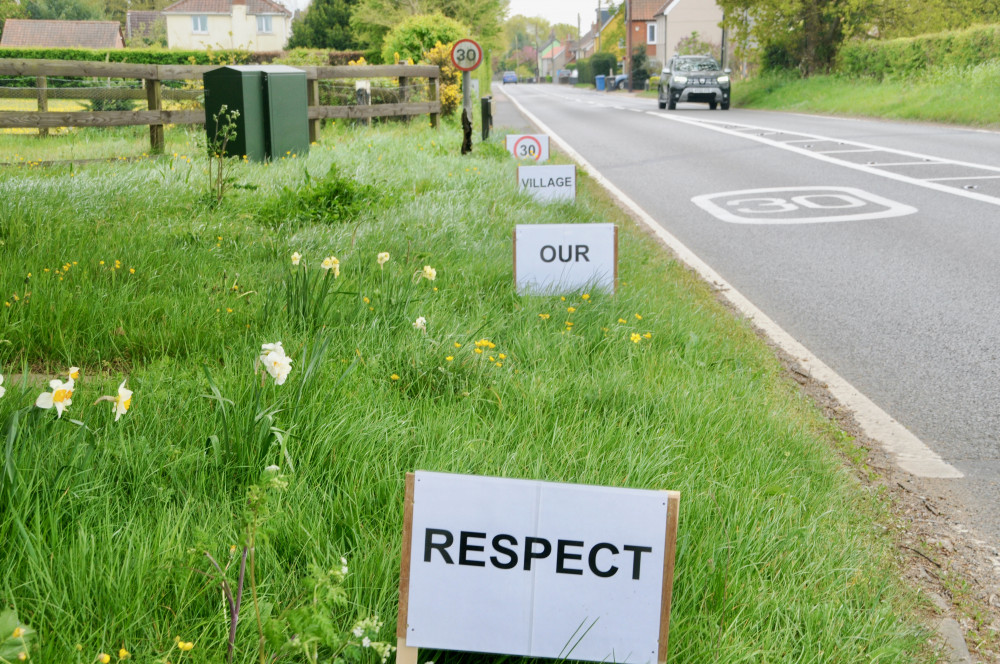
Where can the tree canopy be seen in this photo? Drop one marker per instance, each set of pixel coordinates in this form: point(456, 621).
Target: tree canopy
point(325, 24)
point(417, 35)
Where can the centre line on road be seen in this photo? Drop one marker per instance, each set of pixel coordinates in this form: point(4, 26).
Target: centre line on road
point(908, 451)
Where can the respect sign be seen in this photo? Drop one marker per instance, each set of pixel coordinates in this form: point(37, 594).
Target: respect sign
point(537, 569)
point(554, 258)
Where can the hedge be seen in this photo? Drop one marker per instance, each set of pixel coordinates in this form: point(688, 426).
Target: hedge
point(159, 56)
point(913, 55)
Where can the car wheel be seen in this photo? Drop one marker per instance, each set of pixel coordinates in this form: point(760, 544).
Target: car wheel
point(725, 105)
point(662, 104)
point(712, 105)
point(672, 104)
point(620, 86)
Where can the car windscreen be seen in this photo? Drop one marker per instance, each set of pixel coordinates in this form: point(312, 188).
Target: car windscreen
point(699, 64)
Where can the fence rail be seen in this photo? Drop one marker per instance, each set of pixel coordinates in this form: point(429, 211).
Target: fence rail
point(152, 77)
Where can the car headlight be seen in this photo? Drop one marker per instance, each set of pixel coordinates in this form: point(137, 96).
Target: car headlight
point(680, 79)
point(723, 79)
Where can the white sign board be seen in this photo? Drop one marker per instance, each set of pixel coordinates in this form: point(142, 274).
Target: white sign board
point(556, 258)
point(529, 147)
point(538, 569)
point(548, 183)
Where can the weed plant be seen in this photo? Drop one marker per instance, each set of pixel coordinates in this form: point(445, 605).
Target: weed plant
point(129, 536)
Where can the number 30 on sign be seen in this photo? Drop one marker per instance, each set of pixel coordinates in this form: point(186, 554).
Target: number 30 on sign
point(466, 55)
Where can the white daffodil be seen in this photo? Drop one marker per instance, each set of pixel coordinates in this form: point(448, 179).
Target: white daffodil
point(429, 273)
point(331, 263)
point(123, 401)
point(74, 373)
point(296, 257)
point(2, 388)
point(59, 398)
point(275, 361)
point(383, 258)
point(420, 323)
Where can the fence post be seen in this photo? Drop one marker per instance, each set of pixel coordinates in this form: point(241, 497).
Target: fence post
point(434, 91)
point(312, 94)
point(42, 83)
point(154, 102)
point(403, 92)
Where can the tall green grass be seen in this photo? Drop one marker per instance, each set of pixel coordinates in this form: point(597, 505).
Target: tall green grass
point(956, 95)
point(104, 525)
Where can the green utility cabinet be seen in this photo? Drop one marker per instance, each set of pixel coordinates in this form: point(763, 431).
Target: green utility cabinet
point(273, 106)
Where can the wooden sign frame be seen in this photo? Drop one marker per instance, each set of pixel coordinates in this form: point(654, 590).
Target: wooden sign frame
point(614, 287)
point(408, 654)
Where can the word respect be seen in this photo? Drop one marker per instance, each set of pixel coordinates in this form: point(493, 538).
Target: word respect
point(603, 559)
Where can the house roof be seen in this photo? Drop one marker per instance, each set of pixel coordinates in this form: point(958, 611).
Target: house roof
point(140, 24)
point(645, 10)
point(61, 34)
point(225, 7)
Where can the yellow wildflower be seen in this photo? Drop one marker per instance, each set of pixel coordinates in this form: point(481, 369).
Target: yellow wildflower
point(570, 309)
point(635, 337)
point(394, 376)
point(104, 658)
point(543, 316)
point(124, 654)
point(184, 646)
point(585, 296)
point(449, 358)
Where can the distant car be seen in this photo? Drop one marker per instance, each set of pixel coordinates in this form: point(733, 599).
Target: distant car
point(509, 77)
point(697, 78)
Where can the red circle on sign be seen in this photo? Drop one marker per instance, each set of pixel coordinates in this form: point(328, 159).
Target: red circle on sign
point(532, 139)
point(465, 45)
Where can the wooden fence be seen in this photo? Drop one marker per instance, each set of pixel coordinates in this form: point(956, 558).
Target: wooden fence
point(153, 91)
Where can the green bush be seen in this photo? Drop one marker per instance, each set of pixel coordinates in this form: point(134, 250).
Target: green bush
point(912, 55)
point(156, 56)
point(601, 64)
point(586, 71)
point(419, 34)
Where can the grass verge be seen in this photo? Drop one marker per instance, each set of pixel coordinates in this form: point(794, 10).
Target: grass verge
point(965, 96)
point(126, 270)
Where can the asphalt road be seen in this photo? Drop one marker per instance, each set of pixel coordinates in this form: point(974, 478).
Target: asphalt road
point(873, 243)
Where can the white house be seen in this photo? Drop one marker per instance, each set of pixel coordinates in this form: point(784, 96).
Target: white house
point(255, 25)
point(677, 19)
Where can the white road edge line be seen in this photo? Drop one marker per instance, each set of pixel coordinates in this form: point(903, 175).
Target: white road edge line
point(909, 452)
point(784, 145)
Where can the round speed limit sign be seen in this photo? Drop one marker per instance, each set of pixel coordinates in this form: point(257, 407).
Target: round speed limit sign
point(466, 54)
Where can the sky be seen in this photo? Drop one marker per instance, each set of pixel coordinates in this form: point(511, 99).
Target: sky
point(558, 11)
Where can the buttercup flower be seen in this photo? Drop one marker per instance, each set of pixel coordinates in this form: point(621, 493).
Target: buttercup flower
point(279, 365)
point(17, 633)
point(394, 376)
point(383, 258)
point(449, 358)
point(635, 337)
point(570, 309)
point(420, 323)
point(429, 273)
point(296, 257)
point(585, 296)
point(124, 654)
point(59, 398)
point(184, 646)
point(104, 658)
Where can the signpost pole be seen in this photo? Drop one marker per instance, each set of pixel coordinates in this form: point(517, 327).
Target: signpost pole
point(466, 55)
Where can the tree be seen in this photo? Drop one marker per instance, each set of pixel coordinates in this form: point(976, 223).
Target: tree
point(372, 20)
point(325, 24)
point(419, 34)
point(11, 9)
point(64, 10)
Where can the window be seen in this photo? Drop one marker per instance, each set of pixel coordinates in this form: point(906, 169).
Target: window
point(199, 24)
point(650, 33)
point(264, 24)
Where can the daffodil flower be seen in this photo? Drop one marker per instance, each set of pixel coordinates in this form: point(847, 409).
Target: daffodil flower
point(383, 258)
point(59, 398)
point(2, 388)
point(420, 324)
point(296, 257)
point(279, 365)
point(331, 263)
point(123, 401)
point(74, 373)
point(429, 273)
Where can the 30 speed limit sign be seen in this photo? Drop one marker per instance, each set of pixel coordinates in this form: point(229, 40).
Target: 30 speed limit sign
point(529, 147)
point(466, 54)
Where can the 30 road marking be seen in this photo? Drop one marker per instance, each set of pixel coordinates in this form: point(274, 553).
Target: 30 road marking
point(799, 205)
point(908, 451)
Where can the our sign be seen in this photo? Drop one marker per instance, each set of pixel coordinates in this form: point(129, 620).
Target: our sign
point(555, 258)
point(536, 569)
point(466, 55)
point(548, 183)
point(529, 147)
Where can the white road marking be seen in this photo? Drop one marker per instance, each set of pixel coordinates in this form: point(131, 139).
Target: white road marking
point(967, 177)
point(764, 206)
point(909, 163)
point(864, 168)
point(909, 452)
point(845, 151)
